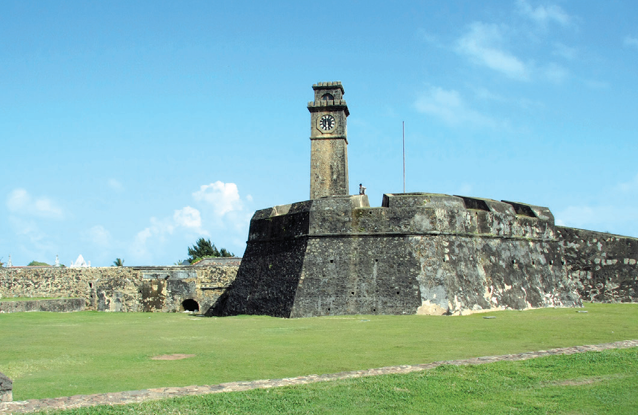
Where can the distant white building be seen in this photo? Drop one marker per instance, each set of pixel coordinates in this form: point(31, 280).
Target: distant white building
point(80, 263)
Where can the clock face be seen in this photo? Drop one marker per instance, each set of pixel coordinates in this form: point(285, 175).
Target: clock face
point(327, 122)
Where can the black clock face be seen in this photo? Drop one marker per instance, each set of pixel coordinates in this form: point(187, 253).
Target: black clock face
point(327, 122)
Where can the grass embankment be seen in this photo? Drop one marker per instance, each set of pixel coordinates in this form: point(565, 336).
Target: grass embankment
point(590, 383)
point(50, 355)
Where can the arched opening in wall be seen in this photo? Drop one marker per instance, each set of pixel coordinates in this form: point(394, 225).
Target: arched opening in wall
point(190, 305)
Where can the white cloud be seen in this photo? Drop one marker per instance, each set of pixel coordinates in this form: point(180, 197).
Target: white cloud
point(115, 185)
point(223, 197)
point(483, 94)
point(429, 38)
point(617, 216)
point(555, 73)
point(26, 227)
point(631, 41)
point(593, 84)
point(99, 236)
point(188, 217)
point(565, 51)
point(465, 189)
point(576, 216)
point(545, 14)
point(630, 186)
point(219, 210)
point(139, 249)
point(614, 219)
point(450, 107)
point(20, 202)
point(38, 244)
point(483, 45)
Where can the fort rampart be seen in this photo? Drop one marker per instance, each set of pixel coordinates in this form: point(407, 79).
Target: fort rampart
point(168, 289)
point(604, 266)
point(422, 254)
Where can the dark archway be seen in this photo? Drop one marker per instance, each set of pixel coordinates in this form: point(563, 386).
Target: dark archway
point(190, 305)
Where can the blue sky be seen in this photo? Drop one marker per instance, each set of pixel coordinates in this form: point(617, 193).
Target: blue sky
point(130, 129)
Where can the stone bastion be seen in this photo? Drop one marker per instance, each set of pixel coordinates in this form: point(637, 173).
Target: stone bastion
point(423, 253)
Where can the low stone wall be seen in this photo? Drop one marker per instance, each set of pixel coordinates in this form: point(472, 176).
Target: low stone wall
point(122, 289)
point(603, 266)
point(62, 305)
point(6, 388)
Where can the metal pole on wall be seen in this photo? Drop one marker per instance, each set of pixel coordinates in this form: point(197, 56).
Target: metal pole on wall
point(403, 156)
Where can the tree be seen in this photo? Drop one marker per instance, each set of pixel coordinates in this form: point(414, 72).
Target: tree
point(204, 248)
point(37, 264)
point(118, 262)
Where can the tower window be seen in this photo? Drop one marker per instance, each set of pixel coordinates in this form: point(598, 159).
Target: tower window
point(328, 97)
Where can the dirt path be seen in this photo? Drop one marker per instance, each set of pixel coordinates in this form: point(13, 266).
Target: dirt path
point(121, 398)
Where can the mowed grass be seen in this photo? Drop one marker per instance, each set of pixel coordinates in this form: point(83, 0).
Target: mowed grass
point(589, 383)
point(51, 354)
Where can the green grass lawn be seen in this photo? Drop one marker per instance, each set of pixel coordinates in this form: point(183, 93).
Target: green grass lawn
point(51, 354)
point(589, 383)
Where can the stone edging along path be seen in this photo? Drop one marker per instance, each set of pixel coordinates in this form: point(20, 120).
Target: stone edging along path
point(121, 398)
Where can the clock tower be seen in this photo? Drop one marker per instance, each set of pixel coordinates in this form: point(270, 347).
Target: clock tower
point(329, 141)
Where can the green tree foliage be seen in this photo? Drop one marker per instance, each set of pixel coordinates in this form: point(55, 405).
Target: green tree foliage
point(37, 264)
point(203, 248)
point(119, 262)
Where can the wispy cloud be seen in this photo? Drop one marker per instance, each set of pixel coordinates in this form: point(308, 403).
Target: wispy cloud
point(484, 94)
point(220, 211)
point(115, 185)
point(555, 73)
point(593, 84)
point(20, 202)
point(565, 51)
point(483, 44)
point(99, 236)
point(616, 216)
point(39, 244)
point(430, 38)
point(543, 15)
point(630, 186)
point(449, 106)
point(614, 219)
point(186, 219)
point(631, 41)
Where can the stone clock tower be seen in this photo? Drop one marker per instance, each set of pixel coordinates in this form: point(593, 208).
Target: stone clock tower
point(329, 141)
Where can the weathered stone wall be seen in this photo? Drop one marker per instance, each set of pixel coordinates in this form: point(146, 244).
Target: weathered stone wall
point(126, 289)
point(603, 266)
point(63, 305)
point(6, 388)
point(418, 253)
point(104, 289)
